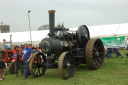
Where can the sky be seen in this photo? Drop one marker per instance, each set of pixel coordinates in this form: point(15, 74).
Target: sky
point(72, 12)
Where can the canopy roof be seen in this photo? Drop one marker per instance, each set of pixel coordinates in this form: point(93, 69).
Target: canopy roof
point(100, 31)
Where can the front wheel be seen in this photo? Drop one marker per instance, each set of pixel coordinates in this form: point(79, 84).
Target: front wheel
point(66, 65)
point(36, 66)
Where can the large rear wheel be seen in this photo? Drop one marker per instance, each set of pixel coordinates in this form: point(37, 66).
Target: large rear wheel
point(95, 54)
point(66, 65)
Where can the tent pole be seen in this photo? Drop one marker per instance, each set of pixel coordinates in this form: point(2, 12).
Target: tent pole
point(117, 30)
point(99, 31)
point(11, 41)
point(29, 26)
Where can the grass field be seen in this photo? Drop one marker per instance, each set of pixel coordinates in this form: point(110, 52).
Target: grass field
point(114, 72)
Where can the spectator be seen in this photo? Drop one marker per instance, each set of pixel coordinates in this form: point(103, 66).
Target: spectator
point(126, 43)
point(109, 52)
point(17, 56)
point(5, 44)
point(2, 68)
point(22, 47)
point(27, 54)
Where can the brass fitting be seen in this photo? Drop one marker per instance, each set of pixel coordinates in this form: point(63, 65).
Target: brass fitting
point(62, 24)
point(51, 11)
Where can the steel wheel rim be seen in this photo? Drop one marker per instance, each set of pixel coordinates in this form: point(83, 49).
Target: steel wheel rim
point(94, 54)
point(68, 65)
point(98, 53)
point(37, 67)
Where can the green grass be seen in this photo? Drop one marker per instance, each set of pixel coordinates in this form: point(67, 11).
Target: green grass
point(114, 72)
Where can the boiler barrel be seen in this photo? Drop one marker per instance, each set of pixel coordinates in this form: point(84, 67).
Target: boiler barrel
point(51, 46)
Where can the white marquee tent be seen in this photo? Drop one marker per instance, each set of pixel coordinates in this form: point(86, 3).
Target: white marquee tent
point(100, 31)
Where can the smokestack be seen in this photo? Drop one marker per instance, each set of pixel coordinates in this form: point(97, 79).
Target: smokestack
point(51, 22)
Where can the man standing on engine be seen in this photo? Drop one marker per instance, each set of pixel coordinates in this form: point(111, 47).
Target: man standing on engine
point(27, 54)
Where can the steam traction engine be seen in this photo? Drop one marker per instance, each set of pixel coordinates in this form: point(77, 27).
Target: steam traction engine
point(65, 49)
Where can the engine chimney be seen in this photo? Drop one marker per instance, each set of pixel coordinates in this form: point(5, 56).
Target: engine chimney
point(51, 22)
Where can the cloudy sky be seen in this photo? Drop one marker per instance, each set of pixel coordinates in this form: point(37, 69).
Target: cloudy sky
point(72, 12)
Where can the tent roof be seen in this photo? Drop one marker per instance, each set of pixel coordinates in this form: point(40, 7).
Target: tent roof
point(108, 30)
point(123, 30)
point(95, 31)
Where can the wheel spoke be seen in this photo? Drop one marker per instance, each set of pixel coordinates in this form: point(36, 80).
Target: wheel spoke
point(40, 58)
point(98, 64)
point(100, 47)
point(97, 43)
point(94, 48)
point(35, 59)
point(39, 70)
point(95, 63)
point(35, 70)
point(99, 59)
point(42, 68)
point(65, 59)
point(69, 70)
point(65, 70)
point(42, 71)
point(67, 74)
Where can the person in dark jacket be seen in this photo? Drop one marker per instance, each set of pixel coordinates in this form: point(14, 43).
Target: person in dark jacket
point(2, 67)
point(109, 52)
point(17, 56)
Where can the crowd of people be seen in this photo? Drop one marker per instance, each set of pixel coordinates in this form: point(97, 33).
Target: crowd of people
point(19, 55)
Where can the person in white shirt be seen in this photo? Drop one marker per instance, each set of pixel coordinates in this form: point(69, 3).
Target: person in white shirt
point(127, 43)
